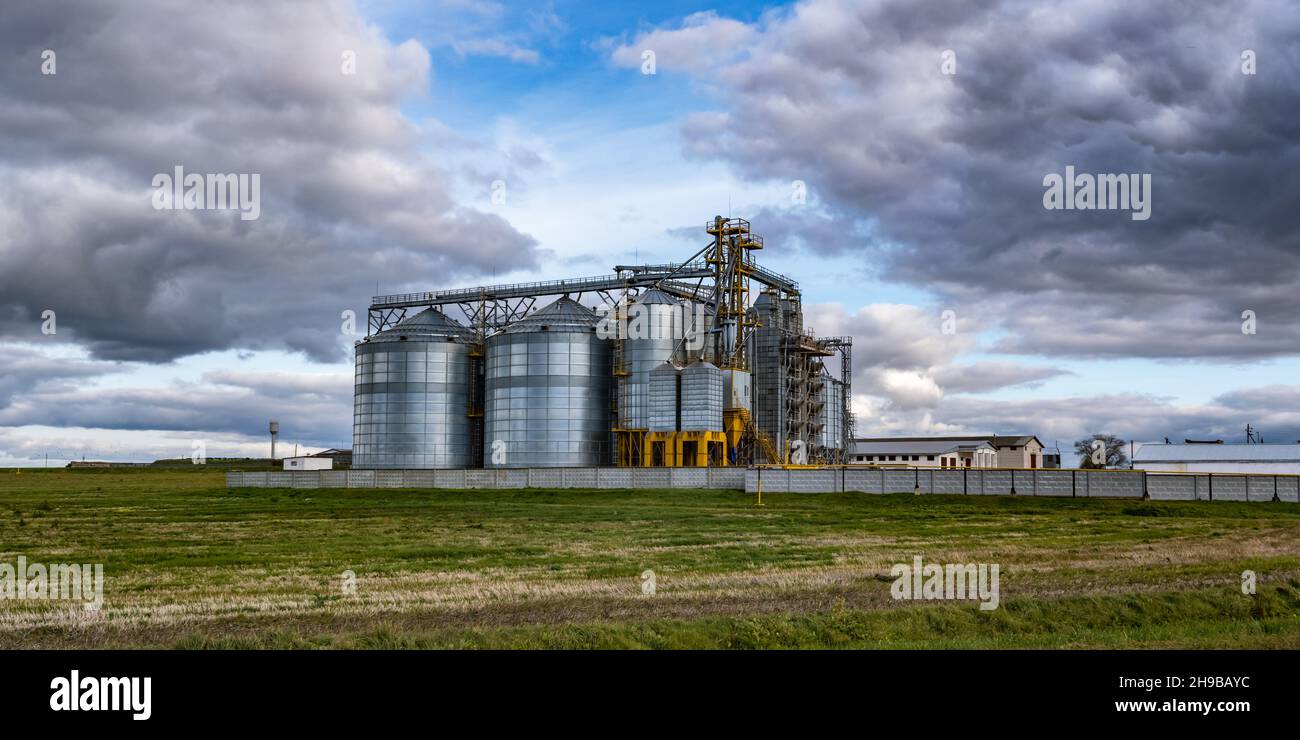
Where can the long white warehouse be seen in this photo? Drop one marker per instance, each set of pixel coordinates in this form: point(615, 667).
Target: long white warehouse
point(1218, 458)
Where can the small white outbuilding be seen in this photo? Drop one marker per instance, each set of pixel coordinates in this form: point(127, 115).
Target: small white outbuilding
point(308, 463)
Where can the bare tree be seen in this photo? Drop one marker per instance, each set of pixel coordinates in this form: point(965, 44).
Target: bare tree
point(1101, 451)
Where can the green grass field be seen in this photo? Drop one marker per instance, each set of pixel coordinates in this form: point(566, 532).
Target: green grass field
point(191, 564)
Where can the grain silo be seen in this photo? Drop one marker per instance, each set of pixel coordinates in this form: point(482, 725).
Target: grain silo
point(831, 423)
point(700, 440)
point(652, 335)
point(663, 414)
point(547, 391)
point(769, 387)
point(411, 399)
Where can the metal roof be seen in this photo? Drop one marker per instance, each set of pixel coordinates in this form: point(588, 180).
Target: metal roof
point(996, 440)
point(1157, 452)
point(655, 296)
point(565, 314)
point(934, 446)
point(428, 323)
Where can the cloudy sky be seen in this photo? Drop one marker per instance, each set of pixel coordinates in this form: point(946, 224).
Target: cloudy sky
point(920, 130)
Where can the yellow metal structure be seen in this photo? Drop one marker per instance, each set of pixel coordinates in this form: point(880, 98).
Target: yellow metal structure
point(660, 450)
point(769, 449)
point(733, 263)
point(684, 450)
point(701, 449)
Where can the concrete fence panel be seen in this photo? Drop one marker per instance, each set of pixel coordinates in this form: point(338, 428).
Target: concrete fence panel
point(277, 479)
point(417, 479)
point(996, 482)
point(651, 478)
point(689, 478)
point(449, 479)
point(1229, 487)
point(1259, 488)
point(1202, 488)
point(545, 477)
point(865, 481)
point(1288, 489)
point(1113, 483)
point(1053, 483)
point(614, 477)
point(814, 481)
point(1022, 482)
point(774, 480)
point(1171, 487)
point(946, 480)
point(926, 480)
point(580, 477)
point(727, 478)
point(510, 478)
point(899, 481)
point(333, 479)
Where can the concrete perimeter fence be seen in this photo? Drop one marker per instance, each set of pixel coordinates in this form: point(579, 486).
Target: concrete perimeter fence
point(1134, 484)
point(1024, 482)
point(722, 478)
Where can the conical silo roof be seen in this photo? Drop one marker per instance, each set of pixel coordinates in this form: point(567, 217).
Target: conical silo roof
point(700, 366)
point(655, 296)
point(428, 323)
point(564, 314)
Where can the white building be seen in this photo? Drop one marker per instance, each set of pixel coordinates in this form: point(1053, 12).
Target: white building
point(923, 453)
point(308, 463)
point(1218, 458)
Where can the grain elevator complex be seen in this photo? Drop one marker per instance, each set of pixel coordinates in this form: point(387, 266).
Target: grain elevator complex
point(706, 362)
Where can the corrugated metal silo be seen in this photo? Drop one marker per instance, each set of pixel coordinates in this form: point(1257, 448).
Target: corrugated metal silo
point(411, 396)
point(832, 436)
point(547, 391)
point(663, 410)
point(701, 398)
point(769, 386)
point(654, 330)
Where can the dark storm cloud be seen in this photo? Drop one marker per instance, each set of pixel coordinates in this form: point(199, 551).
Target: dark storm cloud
point(23, 369)
point(311, 408)
point(989, 375)
point(347, 198)
point(1132, 416)
point(850, 97)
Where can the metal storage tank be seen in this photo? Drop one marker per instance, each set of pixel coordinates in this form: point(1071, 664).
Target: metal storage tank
point(663, 411)
point(701, 398)
point(547, 391)
point(769, 382)
point(411, 395)
point(654, 330)
point(832, 414)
